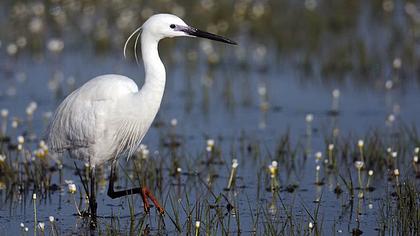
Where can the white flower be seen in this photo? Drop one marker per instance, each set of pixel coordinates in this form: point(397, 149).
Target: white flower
point(197, 224)
point(55, 45)
point(26, 229)
point(235, 163)
point(391, 118)
point(262, 90)
point(417, 150)
point(72, 188)
point(318, 155)
point(389, 84)
point(397, 63)
point(4, 112)
point(309, 118)
point(311, 225)
point(34, 196)
point(210, 142)
point(394, 154)
point(35, 25)
point(370, 173)
point(33, 105)
point(51, 218)
point(29, 111)
point(274, 163)
point(359, 164)
point(142, 147)
point(416, 159)
point(273, 168)
point(397, 172)
point(144, 151)
point(12, 49)
point(360, 143)
point(43, 145)
point(41, 226)
point(318, 167)
point(22, 225)
point(20, 139)
point(330, 147)
point(2, 158)
point(336, 93)
point(21, 42)
point(174, 122)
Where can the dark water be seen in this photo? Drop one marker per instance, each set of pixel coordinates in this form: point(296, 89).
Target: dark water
point(285, 67)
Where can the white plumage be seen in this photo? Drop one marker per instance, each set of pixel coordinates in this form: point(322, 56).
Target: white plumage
point(108, 116)
point(102, 119)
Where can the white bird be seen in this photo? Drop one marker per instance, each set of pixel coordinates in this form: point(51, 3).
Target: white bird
point(108, 116)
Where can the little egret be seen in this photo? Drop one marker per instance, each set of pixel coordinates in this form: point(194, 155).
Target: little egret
point(108, 116)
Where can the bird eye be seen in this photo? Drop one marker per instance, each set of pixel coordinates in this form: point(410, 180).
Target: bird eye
point(172, 26)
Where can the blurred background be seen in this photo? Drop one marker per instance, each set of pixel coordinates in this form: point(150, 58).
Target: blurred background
point(364, 32)
point(313, 46)
point(332, 40)
point(307, 68)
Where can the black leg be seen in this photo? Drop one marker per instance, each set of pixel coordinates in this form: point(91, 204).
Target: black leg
point(92, 199)
point(143, 191)
point(82, 180)
point(117, 194)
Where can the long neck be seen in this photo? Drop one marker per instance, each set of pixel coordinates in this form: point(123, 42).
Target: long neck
point(155, 79)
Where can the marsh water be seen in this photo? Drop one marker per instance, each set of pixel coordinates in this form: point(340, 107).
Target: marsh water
point(351, 65)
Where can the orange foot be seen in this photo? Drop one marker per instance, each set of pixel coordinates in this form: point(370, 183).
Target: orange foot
point(145, 193)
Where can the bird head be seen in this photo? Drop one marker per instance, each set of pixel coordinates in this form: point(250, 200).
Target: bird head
point(168, 26)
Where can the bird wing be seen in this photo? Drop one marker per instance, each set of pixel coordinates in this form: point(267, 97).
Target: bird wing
point(79, 119)
point(73, 123)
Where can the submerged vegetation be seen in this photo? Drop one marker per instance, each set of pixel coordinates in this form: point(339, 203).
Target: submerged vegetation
point(268, 188)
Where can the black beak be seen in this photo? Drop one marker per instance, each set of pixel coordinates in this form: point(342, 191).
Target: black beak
point(203, 34)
